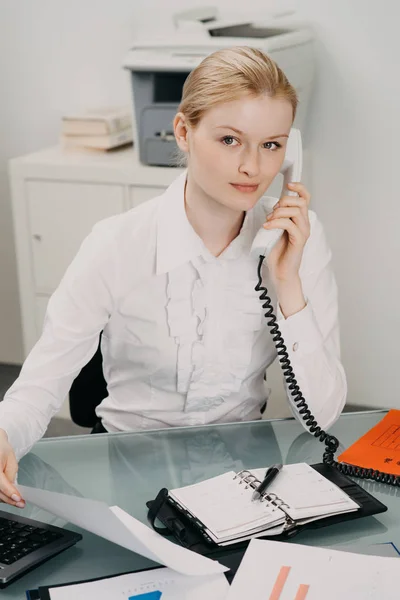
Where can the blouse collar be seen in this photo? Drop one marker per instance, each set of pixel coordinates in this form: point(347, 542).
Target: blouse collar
point(177, 241)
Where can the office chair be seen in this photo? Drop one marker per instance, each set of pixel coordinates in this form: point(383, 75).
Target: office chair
point(87, 391)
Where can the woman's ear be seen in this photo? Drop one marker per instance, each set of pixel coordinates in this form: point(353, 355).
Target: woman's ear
point(181, 132)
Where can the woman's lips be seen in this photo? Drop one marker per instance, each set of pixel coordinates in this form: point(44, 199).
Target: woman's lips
point(247, 189)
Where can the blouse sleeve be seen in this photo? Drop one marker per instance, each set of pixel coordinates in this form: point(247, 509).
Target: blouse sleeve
point(76, 314)
point(312, 335)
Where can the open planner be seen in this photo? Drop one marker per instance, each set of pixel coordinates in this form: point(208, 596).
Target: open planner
point(223, 508)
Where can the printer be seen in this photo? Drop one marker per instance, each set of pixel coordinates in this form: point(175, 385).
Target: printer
point(158, 64)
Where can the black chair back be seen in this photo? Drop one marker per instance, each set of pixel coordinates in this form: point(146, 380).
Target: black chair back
point(87, 391)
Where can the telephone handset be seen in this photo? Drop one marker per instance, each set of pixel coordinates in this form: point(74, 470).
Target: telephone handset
point(291, 169)
point(262, 245)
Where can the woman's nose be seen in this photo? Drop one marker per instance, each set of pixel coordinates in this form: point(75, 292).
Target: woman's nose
point(250, 164)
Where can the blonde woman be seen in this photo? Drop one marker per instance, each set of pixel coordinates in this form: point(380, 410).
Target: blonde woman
point(171, 282)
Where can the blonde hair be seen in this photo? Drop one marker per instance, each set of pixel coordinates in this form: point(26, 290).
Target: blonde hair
point(227, 75)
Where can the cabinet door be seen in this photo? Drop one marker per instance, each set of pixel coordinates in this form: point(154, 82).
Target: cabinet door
point(61, 215)
point(139, 194)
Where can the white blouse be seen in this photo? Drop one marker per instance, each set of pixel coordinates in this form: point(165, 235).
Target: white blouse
point(185, 341)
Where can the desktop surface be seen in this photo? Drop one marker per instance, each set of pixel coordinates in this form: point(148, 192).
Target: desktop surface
point(127, 469)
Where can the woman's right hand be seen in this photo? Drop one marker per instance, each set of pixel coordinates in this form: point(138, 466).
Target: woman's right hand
point(8, 471)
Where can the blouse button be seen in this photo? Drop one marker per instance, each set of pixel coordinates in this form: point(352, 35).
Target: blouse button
point(295, 346)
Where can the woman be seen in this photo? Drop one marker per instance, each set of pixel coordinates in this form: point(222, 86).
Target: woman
point(171, 283)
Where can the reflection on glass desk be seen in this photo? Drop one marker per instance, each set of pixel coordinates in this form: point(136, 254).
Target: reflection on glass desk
point(127, 469)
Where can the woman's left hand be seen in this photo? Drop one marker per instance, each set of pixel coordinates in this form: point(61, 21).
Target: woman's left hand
point(291, 215)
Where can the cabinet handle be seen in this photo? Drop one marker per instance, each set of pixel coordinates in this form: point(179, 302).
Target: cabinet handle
point(37, 237)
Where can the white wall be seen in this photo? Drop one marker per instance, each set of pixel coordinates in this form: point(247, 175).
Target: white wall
point(354, 133)
point(55, 56)
point(58, 56)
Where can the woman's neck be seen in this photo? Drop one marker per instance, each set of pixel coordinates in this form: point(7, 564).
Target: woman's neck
point(216, 224)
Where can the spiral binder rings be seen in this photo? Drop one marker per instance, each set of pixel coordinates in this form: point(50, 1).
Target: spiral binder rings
point(251, 481)
point(200, 517)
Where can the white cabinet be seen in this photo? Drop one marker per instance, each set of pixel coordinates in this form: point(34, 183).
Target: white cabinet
point(57, 197)
point(61, 215)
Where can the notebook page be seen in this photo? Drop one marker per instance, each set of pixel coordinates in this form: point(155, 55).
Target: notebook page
point(235, 535)
point(270, 532)
point(298, 571)
point(225, 507)
point(306, 492)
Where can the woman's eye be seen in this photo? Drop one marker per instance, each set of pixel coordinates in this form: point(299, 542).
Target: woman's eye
point(228, 140)
point(269, 144)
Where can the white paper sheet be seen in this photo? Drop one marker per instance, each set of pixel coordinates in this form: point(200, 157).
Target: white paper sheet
point(116, 525)
point(319, 572)
point(173, 586)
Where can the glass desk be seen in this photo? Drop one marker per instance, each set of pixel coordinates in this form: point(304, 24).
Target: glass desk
point(127, 469)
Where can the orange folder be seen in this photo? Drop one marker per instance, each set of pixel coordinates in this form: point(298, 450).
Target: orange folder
point(379, 448)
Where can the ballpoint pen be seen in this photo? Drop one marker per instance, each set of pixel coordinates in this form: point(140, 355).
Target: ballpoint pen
point(270, 475)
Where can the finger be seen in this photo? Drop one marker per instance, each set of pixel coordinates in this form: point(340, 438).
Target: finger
point(8, 489)
point(292, 212)
point(292, 201)
point(6, 500)
point(296, 236)
point(300, 189)
point(11, 469)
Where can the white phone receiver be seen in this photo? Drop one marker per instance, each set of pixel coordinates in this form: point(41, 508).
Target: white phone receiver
point(291, 168)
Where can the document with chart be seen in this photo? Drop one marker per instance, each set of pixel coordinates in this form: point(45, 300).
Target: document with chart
point(154, 584)
point(286, 571)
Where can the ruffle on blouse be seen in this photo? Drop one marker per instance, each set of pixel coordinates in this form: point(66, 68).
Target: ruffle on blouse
point(213, 313)
point(185, 315)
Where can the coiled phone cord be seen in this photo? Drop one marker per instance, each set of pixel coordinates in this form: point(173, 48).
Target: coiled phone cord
point(331, 442)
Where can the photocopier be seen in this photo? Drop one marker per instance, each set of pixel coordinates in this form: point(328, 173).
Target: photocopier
point(159, 63)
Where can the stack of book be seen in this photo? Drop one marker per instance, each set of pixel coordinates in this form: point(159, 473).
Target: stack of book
point(101, 128)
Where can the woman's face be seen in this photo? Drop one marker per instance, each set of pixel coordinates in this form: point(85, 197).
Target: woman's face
point(239, 143)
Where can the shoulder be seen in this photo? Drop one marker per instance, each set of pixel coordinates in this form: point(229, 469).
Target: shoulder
point(120, 242)
point(317, 253)
point(130, 234)
point(317, 237)
point(126, 226)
